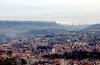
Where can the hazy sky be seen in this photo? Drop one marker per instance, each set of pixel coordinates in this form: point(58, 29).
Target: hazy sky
point(63, 11)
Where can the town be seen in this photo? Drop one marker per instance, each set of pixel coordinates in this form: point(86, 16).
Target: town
point(68, 48)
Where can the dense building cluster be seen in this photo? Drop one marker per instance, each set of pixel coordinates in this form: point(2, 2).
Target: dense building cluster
point(70, 48)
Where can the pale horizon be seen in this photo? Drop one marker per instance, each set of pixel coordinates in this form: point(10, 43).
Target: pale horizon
point(62, 11)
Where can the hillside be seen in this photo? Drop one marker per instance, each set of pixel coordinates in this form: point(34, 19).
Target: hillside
point(95, 27)
point(13, 28)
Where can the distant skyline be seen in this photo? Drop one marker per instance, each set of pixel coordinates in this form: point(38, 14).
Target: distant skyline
point(61, 11)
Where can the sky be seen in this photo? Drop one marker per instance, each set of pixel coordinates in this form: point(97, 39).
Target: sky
point(61, 11)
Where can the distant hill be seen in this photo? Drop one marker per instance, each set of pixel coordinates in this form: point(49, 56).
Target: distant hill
point(33, 33)
point(12, 28)
point(95, 27)
point(3, 37)
point(30, 25)
point(33, 28)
